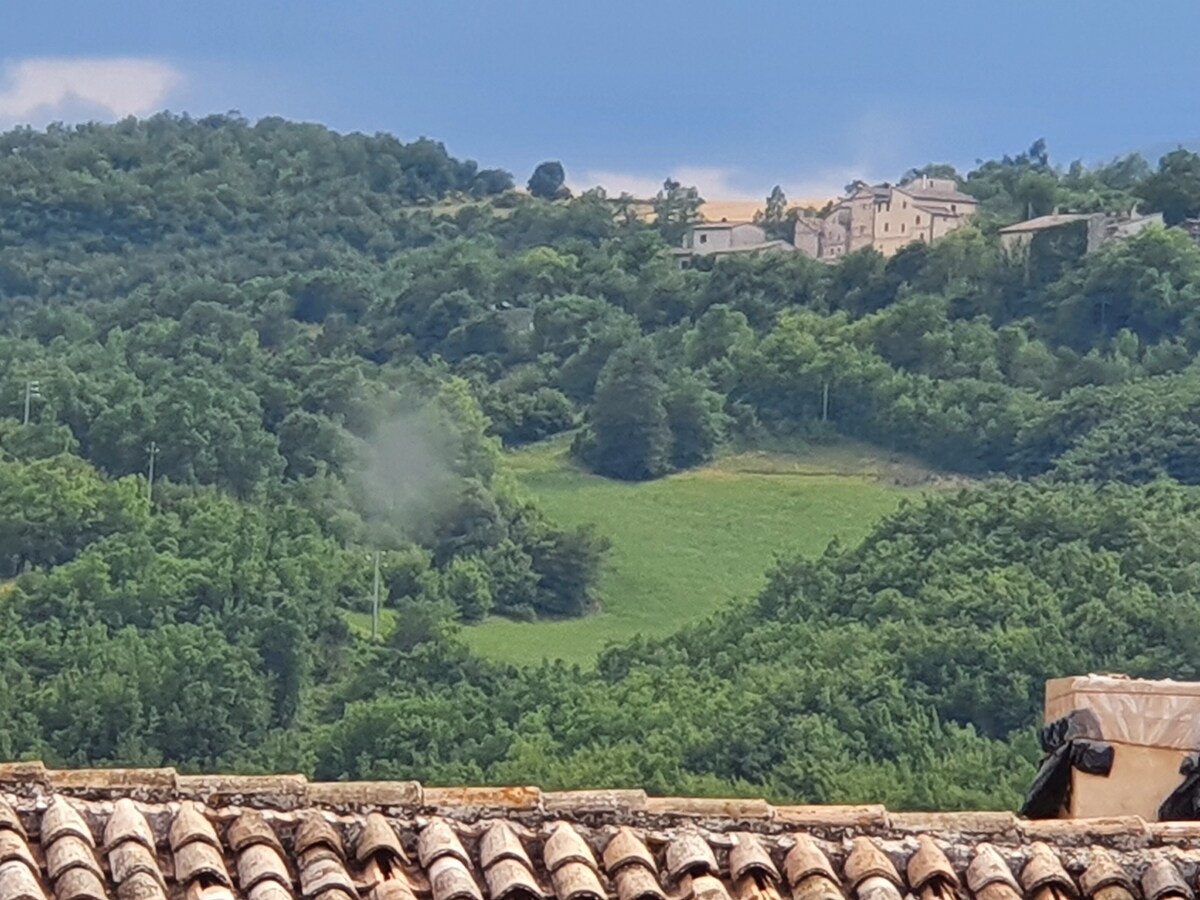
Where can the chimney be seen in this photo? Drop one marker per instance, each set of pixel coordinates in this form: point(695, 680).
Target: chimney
point(1118, 746)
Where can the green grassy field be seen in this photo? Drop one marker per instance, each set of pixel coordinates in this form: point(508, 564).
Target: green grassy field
point(685, 545)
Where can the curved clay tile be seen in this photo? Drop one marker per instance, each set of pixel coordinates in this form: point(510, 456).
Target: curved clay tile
point(393, 889)
point(325, 874)
point(79, 884)
point(989, 877)
point(249, 829)
point(268, 890)
point(129, 858)
point(509, 877)
point(576, 880)
point(1043, 870)
point(70, 852)
point(191, 825)
point(1105, 873)
point(199, 859)
point(626, 848)
point(866, 861)
point(689, 853)
point(500, 842)
point(262, 862)
point(806, 859)
point(378, 836)
point(1161, 879)
point(706, 887)
point(566, 845)
point(749, 855)
point(10, 821)
point(930, 867)
point(637, 882)
point(438, 840)
point(18, 882)
point(13, 846)
point(450, 879)
point(127, 824)
point(60, 819)
point(141, 886)
point(316, 831)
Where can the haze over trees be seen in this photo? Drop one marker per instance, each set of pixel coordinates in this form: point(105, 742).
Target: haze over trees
point(329, 340)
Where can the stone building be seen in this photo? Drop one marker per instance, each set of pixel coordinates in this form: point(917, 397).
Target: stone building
point(886, 217)
point(724, 238)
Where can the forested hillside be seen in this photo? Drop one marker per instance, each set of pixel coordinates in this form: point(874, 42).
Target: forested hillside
point(322, 343)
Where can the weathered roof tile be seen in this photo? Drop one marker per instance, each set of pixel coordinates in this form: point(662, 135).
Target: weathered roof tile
point(316, 831)
point(70, 852)
point(1043, 869)
point(507, 876)
point(500, 842)
point(564, 846)
point(1161, 879)
point(18, 882)
point(749, 855)
point(624, 849)
point(199, 859)
point(127, 824)
point(451, 879)
point(576, 880)
point(866, 860)
point(929, 864)
point(637, 882)
point(377, 837)
point(437, 840)
point(61, 818)
point(79, 884)
point(805, 859)
point(189, 826)
point(689, 853)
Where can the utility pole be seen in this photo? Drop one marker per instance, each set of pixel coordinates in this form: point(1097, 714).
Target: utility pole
point(32, 389)
point(375, 602)
point(825, 401)
point(152, 449)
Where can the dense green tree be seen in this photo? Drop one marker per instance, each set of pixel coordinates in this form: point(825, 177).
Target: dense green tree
point(1174, 189)
point(629, 434)
point(547, 181)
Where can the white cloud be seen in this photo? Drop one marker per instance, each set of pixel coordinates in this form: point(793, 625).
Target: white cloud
point(37, 91)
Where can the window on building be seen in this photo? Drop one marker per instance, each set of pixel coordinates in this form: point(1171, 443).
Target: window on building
point(704, 238)
point(887, 226)
point(918, 220)
point(904, 204)
point(902, 228)
point(954, 207)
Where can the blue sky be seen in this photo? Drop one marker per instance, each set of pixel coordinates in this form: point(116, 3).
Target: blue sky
point(732, 96)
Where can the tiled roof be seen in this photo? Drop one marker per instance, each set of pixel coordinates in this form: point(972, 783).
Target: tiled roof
point(154, 835)
point(1043, 222)
point(944, 195)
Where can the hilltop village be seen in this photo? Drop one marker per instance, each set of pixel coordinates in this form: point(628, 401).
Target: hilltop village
point(887, 217)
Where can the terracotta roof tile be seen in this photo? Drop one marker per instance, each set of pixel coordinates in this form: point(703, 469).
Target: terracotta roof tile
point(626, 848)
point(690, 854)
point(1162, 880)
point(223, 838)
point(929, 867)
point(378, 837)
point(19, 882)
point(748, 855)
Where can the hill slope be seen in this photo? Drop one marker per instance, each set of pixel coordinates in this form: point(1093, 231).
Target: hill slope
point(684, 546)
